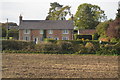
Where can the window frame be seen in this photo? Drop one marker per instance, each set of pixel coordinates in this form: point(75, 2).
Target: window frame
point(41, 31)
point(50, 31)
point(26, 31)
point(65, 38)
point(65, 31)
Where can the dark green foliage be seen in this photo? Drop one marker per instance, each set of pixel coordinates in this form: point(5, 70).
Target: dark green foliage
point(13, 33)
point(65, 47)
point(95, 36)
point(49, 40)
point(58, 12)
point(62, 47)
point(102, 28)
point(109, 49)
point(15, 45)
point(46, 47)
point(4, 32)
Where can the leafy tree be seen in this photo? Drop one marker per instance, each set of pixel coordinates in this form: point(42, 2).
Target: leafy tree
point(13, 33)
point(88, 16)
point(58, 12)
point(102, 28)
point(3, 32)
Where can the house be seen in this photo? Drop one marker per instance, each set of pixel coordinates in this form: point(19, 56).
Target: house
point(37, 30)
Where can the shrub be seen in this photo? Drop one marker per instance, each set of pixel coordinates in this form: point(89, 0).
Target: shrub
point(49, 40)
point(46, 46)
point(65, 47)
point(109, 49)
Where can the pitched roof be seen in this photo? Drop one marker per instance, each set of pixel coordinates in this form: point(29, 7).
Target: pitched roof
point(87, 31)
point(46, 24)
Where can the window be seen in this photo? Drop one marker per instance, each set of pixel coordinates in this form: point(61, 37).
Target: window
point(41, 31)
point(50, 31)
point(26, 38)
point(26, 31)
point(56, 38)
point(65, 38)
point(65, 31)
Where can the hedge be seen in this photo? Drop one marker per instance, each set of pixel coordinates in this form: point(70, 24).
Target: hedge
point(61, 47)
point(15, 44)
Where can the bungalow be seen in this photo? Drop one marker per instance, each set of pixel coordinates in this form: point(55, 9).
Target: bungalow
point(37, 30)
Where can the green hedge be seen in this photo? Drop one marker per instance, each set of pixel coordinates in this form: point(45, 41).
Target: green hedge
point(15, 44)
point(62, 47)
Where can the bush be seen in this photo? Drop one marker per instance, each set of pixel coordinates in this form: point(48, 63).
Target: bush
point(109, 49)
point(49, 40)
point(65, 47)
point(46, 47)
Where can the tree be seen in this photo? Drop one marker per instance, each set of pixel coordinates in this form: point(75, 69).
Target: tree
point(4, 32)
point(102, 28)
point(58, 12)
point(88, 16)
point(13, 33)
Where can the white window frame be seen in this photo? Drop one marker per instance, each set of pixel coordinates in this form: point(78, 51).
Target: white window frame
point(65, 31)
point(26, 38)
point(26, 31)
point(50, 31)
point(41, 31)
point(65, 38)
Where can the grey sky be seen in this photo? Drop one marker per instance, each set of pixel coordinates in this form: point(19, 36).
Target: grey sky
point(38, 9)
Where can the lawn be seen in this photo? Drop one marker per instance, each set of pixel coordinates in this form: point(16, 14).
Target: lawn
point(58, 66)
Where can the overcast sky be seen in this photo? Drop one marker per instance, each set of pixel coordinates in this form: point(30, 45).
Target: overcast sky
point(38, 9)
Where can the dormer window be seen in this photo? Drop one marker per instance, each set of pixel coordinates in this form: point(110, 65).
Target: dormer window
point(26, 31)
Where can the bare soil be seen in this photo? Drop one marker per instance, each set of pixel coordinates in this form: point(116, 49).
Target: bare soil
point(58, 66)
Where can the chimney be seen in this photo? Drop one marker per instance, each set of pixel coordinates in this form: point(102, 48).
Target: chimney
point(20, 19)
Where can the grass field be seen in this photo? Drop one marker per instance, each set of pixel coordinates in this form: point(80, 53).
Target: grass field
point(58, 66)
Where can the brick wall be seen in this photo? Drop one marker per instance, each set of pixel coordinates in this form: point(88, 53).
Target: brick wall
point(36, 34)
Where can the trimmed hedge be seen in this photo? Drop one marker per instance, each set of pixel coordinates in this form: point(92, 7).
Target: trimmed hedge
point(61, 47)
point(15, 44)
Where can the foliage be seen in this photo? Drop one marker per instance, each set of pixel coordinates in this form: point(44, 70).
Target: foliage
point(15, 44)
point(58, 12)
point(114, 40)
point(13, 33)
point(95, 36)
point(46, 47)
point(102, 28)
point(88, 16)
point(4, 32)
point(62, 47)
point(65, 46)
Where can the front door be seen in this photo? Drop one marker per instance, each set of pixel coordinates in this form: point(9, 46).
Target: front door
point(36, 40)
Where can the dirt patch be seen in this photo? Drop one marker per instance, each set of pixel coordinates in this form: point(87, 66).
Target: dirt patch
point(58, 66)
